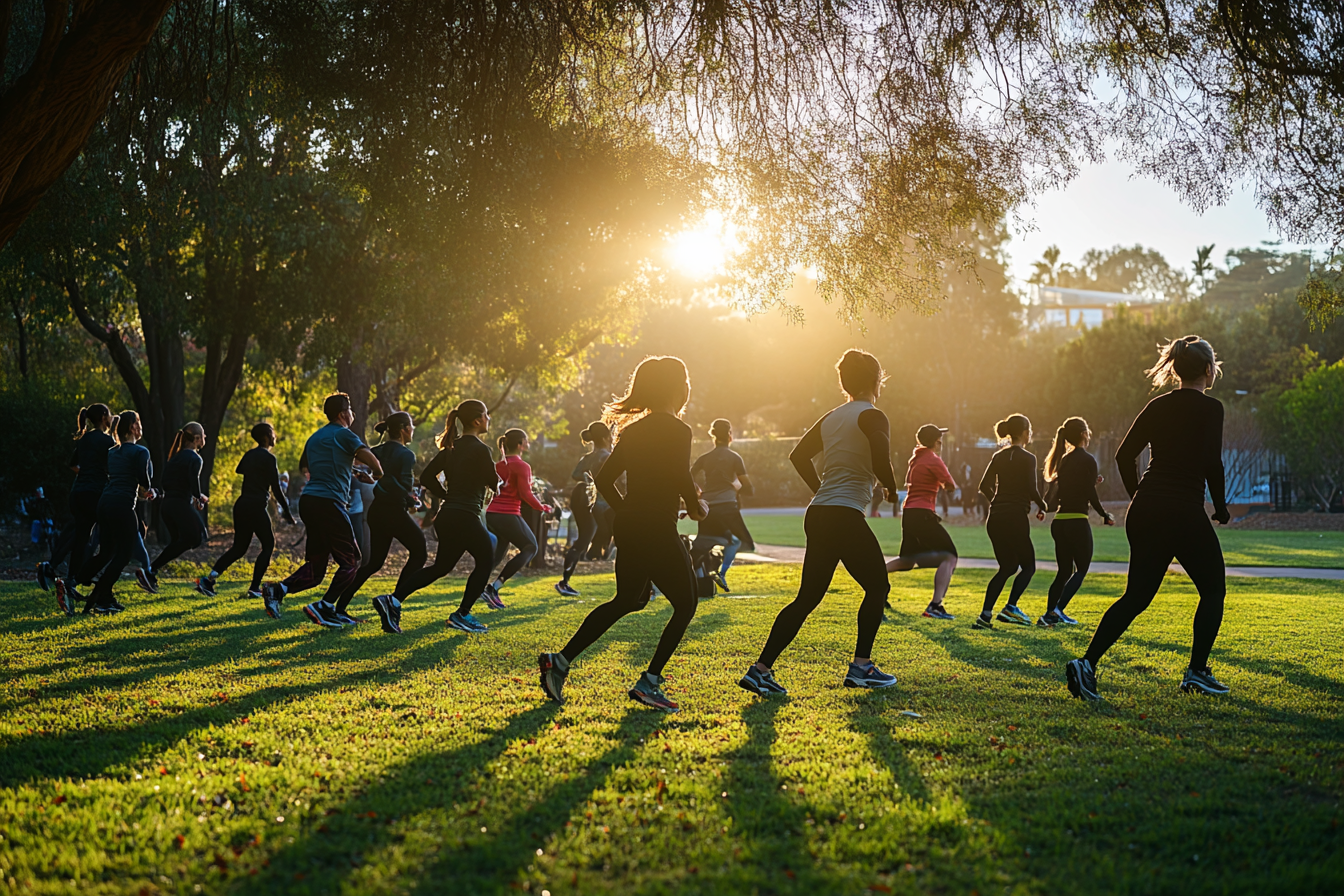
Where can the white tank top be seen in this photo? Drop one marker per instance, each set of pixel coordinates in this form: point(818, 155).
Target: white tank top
point(847, 459)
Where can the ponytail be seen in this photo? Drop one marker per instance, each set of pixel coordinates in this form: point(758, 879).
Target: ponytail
point(1073, 431)
point(191, 430)
point(1012, 427)
point(471, 409)
point(125, 420)
point(510, 441)
point(1186, 358)
point(90, 418)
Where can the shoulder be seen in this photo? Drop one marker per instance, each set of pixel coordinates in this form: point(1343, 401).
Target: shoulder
point(348, 439)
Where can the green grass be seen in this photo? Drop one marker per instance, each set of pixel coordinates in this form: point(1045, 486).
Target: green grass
point(1240, 547)
point(190, 745)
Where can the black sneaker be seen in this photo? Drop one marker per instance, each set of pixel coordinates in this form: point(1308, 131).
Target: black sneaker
point(1049, 620)
point(566, 589)
point(721, 581)
point(45, 575)
point(649, 691)
point(868, 676)
point(762, 684)
point(324, 614)
point(345, 618)
point(554, 670)
point(982, 622)
point(63, 598)
point(206, 585)
point(271, 596)
point(99, 610)
point(1203, 682)
point(382, 605)
point(1082, 679)
point(148, 582)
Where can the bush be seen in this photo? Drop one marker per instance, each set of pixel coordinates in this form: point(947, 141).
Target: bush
point(43, 417)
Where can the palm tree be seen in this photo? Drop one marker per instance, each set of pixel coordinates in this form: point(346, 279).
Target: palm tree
point(1203, 268)
point(1047, 273)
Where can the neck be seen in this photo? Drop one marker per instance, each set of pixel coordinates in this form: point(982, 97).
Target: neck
point(864, 396)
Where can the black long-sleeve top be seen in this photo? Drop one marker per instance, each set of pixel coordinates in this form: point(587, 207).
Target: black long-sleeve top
point(468, 470)
point(90, 459)
point(182, 475)
point(1076, 484)
point(1010, 480)
point(1184, 429)
point(655, 454)
point(261, 474)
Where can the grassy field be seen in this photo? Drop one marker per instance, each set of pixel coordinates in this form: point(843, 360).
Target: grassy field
point(190, 745)
point(1240, 548)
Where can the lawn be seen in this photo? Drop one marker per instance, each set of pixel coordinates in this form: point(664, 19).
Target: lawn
point(190, 745)
point(1240, 547)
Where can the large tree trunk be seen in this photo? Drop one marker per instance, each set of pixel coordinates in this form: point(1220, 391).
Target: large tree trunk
point(223, 373)
point(21, 321)
point(355, 378)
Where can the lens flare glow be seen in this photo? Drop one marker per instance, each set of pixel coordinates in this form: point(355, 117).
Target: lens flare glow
point(702, 252)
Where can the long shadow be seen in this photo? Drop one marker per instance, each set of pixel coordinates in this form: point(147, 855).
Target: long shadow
point(1297, 674)
point(888, 740)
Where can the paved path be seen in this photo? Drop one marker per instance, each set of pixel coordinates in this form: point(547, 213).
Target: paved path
point(769, 553)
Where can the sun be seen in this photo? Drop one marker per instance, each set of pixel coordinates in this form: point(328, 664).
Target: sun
point(702, 251)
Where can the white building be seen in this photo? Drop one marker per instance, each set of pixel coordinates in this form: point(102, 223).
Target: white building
point(1080, 308)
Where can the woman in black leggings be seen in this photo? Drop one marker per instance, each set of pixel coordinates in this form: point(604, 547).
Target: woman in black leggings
point(129, 472)
point(89, 461)
point(1010, 485)
point(182, 498)
point(581, 503)
point(261, 477)
point(854, 441)
point(655, 453)
point(1073, 477)
point(390, 519)
point(1166, 519)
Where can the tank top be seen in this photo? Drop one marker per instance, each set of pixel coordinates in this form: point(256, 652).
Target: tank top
point(846, 459)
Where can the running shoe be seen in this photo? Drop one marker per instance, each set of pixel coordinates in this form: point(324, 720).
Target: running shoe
point(324, 614)
point(206, 585)
point(1013, 615)
point(566, 589)
point(1049, 620)
point(45, 575)
point(1067, 620)
point(63, 599)
point(722, 582)
point(982, 622)
point(937, 611)
point(382, 605)
point(868, 676)
point(345, 618)
point(465, 622)
point(254, 592)
point(1082, 679)
point(554, 670)
point(1202, 680)
point(271, 596)
point(649, 691)
point(109, 610)
point(148, 583)
point(491, 595)
point(762, 684)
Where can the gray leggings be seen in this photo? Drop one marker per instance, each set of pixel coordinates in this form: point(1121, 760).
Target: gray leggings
point(511, 528)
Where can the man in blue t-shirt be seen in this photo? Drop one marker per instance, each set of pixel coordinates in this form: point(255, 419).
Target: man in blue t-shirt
point(329, 457)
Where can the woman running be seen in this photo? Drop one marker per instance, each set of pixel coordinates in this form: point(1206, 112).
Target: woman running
point(581, 503)
point(504, 517)
point(182, 498)
point(725, 478)
point(1010, 485)
point(469, 477)
point(261, 478)
point(653, 448)
point(1073, 474)
point(389, 518)
point(89, 461)
point(1166, 519)
point(129, 473)
point(924, 541)
point(854, 441)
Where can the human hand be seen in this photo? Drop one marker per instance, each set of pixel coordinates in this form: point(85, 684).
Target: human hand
point(364, 477)
point(1109, 520)
point(546, 508)
point(702, 510)
point(1222, 517)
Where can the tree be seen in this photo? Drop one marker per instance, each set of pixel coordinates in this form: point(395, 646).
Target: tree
point(1046, 271)
point(1254, 275)
point(1202, 267)
point(1310, 430)
point(1140, 272)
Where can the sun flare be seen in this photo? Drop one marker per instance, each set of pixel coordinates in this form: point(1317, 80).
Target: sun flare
point(702, 251)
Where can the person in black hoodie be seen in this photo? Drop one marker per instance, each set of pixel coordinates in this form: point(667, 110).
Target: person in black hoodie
point(1166, 519)
point(1072, 474)
point(1010, 485)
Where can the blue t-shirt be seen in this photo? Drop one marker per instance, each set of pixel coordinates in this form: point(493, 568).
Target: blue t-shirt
point(329, 455)
point(398, 471)
point(128, 471)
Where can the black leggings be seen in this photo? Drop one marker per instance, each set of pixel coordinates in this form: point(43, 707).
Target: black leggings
point(249, 518)
point(511, 528)
point(834, 535)
point(118, 528)
point(329, 537)
point(1073, 553)
point(389, 520)
point(184, 524)
point(587, 523)
point(648, 554)
point(74, 538)
point(460, 532)
point(1159, 532)
point(1010, 534)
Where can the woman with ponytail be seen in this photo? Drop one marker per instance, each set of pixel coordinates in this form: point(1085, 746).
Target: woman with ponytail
point(653, 449)
point(585, 502)
point(504, 517)
point(89, 461)
point(1166, 520)
point(182, 497)
point(129, 473)
point(1072, 473)
point(468, 479)
point(1010, 485)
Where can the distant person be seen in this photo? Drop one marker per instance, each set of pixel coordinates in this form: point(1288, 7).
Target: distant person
point(854, 441)
point(725, 477)
point(1072, 474)
point(504, 516)
point(356, 509)
point(182, 498)
point(89, 463)
point(1166, 519)
point(1009, 484)
point(585, 502)
point(875, 508)
point(924, 541)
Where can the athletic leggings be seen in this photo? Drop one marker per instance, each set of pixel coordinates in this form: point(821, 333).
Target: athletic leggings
point(511, 528)
point(1158, 532)
point(389, 520)
point(118, 528)
point(1010, 534)
point(184, 524)
point(330, 535)
point(460, 532)
point(647, 554)
point(249, 518)
point(1073, 553)
point(74, 538)
point(587, 523)
point(834, 535)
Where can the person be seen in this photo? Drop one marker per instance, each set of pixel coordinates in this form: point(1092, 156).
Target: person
point(356, 510)
point(1072, 473)
point(725, 477)
point(182, 498)
point(129, 474)
point(261, 479)
point(329, 455)
point(653, 449)
point(89, 462)
point(1183, 429)
point(469, 476)
point(504, 516)
point(585, 502)
point(1009, 484)
point(854, 441)
point(389, 518)
point(924, 541)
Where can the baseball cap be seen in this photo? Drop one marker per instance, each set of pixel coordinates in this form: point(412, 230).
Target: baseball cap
point(928, 434)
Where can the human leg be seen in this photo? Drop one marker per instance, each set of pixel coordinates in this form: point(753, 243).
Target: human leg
point(999, 527)
point(862, 556)
point(514, 529)
point(671, 571)
point(1026, 560)
point(824, 550)
point(1201, 556)
point(1150, 554)
point(587, 525)
point(266, 538)
point(1081, 555)
point(634, 565)
point(184, 525)
point(319, 516)
point(243, 522)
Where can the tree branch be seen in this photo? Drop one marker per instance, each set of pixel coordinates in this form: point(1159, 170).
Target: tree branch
point(116, 346)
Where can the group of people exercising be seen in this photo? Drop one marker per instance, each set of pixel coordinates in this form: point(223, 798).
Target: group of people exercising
point(639, 475)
